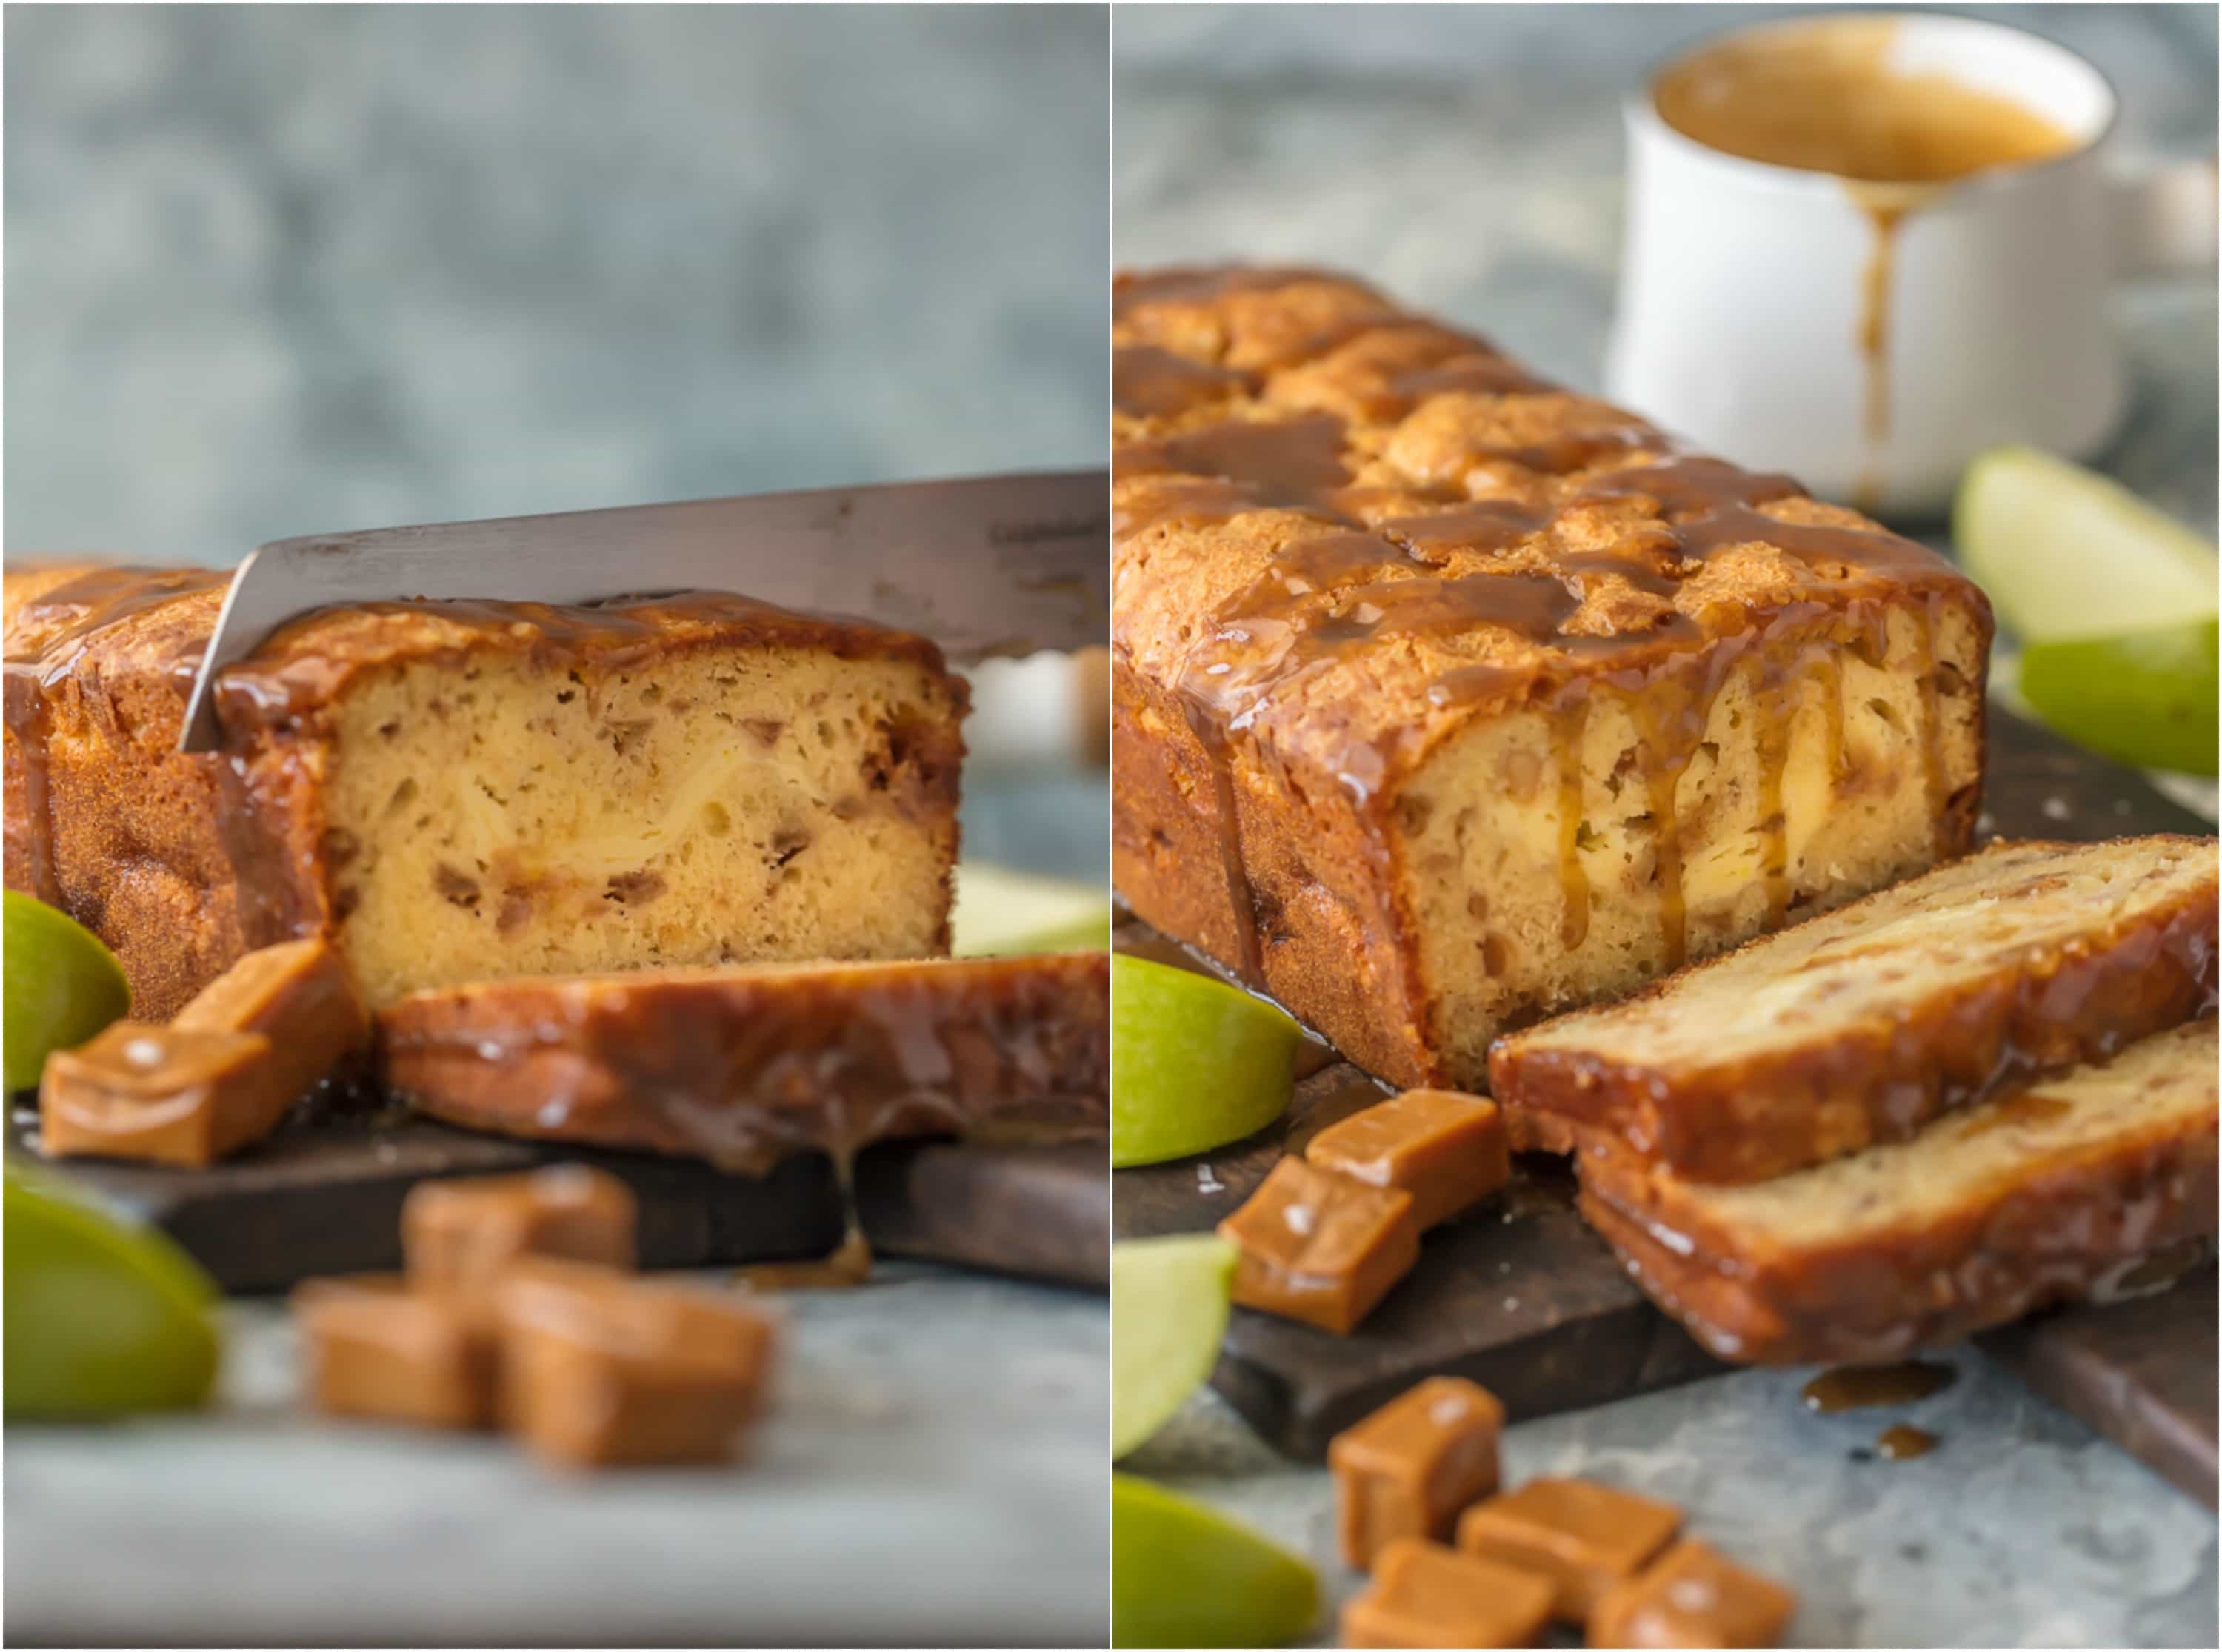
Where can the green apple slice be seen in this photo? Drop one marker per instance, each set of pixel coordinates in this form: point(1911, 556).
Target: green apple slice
point(62, 987)
point(2147, 697)
point(1195, 1063)
point(102, 1319)
point(1185, 1575)
point(2063, 552)
point(1002, 912)
point(1168, 1302)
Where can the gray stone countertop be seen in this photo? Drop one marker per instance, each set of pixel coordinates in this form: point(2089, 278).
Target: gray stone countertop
point(931, 1474)
point(1468, 159)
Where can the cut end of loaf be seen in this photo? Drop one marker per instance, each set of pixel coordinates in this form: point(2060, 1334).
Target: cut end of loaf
point(1564, 854)
point(510, 818)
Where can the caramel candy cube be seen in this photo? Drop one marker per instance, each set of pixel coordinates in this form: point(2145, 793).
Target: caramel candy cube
point(462, 1233)
point(1694, 1596)
point(1585, 1536)
point(1446, 1149)
point(1426, 1595)
point(138, 1090)
point(1408, 1470)
point(298, 995)
point(221, 1075)
point(600, 1368)
point(1319, 1247)
point(373, 1347)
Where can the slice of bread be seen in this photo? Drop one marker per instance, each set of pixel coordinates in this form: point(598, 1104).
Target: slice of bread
point(1862, 1025)
point(744, 1065)
point(2060, 1191)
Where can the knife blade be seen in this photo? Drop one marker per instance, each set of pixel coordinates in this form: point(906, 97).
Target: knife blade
point(988, 566)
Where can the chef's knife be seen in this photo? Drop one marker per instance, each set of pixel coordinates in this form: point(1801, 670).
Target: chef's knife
point(988, 566)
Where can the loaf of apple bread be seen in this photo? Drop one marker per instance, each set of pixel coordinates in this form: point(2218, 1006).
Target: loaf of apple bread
point(459, 791)
point(2073, 1187)
point(1444, 699)
point(744, 1065)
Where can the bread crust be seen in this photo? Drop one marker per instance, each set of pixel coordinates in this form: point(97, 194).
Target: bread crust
point(1346, 536)
point(2029, 1220)
point(1870, 1304)
point(183, 862)
point(1880, 1077)
point(743, 1066)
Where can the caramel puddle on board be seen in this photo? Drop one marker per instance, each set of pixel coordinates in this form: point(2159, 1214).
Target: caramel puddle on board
point(1902, 1441)
point(847, 1266)
point(1855, 1388)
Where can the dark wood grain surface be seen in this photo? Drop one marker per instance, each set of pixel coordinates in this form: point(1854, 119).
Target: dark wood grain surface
point(1522, 1298)
point(2141, 1372)
point(325, 1198)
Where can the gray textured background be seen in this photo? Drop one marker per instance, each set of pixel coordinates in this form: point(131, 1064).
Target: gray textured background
point(274, 270)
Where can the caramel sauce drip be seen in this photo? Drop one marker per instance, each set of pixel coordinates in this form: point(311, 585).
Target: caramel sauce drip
point(1777, 713)
point(1902, 1441)
point(846, 1267)
point(1928, 666)
point(1829, 671)
point(1352, 587)
point(1857, 1387)
point(1568, 722)
point(1886, 212)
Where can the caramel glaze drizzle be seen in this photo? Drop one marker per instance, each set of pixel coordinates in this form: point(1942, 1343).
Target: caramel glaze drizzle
point(1020, 1061)
point(1351, 584)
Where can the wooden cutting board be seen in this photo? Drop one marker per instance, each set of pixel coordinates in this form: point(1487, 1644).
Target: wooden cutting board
point(325, 1198)
point(1520, 1296)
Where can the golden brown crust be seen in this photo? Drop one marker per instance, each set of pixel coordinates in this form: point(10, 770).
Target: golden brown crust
point(2039, 1223)
point(1345, 536)
point(742, 1065)
point(180, 862)
point(308, 663)
point(1871, 1308)
point(1868, 1075)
